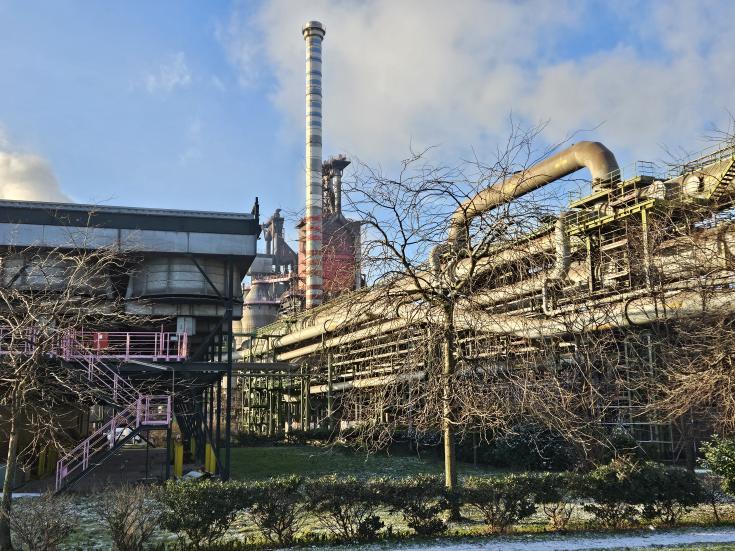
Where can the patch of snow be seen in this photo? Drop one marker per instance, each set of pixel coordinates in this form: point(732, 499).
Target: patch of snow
point(574, 543)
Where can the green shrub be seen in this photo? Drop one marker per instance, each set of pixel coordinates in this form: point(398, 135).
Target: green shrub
point(230, 545)
point(420, 499)
point(626, 490)
point(502, 501)
point(719, 457)
point(713, 494)
point(277, 508)
point(621, 444)
point(345, 506)
point(556, 493)
point(530, 447)
point(666, 493)
point(201, 510)
point(612, 488)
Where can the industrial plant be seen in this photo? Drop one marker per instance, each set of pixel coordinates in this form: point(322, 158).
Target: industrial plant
point(225, 340)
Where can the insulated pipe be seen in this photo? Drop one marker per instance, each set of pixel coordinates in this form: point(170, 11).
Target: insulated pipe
point(338, 165)
point(368, 332)
point(381, 380)
point(671, 267)
point(562, 248)
point(313, 32)
point(593, 155)
point(631, 312)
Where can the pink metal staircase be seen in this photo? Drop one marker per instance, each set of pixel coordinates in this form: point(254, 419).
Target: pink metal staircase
point(91, 350)
point(136, 411)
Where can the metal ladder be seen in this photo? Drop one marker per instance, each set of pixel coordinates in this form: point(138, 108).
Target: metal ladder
point(723, 186)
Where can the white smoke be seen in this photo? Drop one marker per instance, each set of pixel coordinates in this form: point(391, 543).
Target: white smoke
point(27, 177)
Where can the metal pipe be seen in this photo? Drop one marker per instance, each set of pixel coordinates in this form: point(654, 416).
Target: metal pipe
point(370, 382)
point(562, 247)
point(367, 332)
point(671, 267)
point(593, 155)
point(313, 32)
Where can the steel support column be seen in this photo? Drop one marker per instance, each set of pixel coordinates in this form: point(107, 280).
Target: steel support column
point(230, 279)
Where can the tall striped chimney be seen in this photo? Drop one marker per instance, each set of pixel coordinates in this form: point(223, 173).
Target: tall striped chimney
point(313, 35)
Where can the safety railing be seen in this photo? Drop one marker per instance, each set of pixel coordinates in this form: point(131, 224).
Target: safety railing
point(126, 345)
point(120, 345)
point(90, 349)
point(145, 411)
point(637, 169)
point(705, 157)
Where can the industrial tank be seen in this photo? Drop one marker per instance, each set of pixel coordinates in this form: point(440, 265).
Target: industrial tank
point(261, 303)
point(178, 276)
point(51, 272)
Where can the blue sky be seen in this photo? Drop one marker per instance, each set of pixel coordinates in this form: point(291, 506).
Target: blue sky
point(191, 104)
point(85, 85)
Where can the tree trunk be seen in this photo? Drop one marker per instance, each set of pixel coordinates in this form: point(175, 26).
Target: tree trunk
point(5, 542)
point(450, 465)
point(690, 448)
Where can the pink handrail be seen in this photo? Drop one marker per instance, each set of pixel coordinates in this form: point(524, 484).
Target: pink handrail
point(91, 349)
point(122, 345)
point(143, 413)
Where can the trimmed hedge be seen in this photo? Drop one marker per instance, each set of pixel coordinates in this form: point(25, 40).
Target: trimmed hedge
point(276, 507)
point(622, 493)
point(345, 506)
point(626, 492)
point(201, 511)
point(420, 499)
point(502, 501)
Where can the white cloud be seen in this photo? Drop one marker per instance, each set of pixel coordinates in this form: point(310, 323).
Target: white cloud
point(173, 73)
point(26, 177)
point(435, 72)
point(242, 43)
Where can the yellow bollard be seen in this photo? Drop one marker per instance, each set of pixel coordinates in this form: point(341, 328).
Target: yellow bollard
point(178, 459)
point(213, 461)
point(208, 458)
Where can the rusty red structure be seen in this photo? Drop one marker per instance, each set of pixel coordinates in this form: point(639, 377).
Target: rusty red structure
point(340, 236)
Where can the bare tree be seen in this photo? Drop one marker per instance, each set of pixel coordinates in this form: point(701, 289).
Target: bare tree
point(132, 514)
point(42, 523)
point(432, 290)
point(47, 294)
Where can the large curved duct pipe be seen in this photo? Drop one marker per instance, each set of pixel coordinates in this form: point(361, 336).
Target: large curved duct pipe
point(592, 155)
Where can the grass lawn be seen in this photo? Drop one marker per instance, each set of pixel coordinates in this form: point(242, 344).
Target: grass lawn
point(257, 462)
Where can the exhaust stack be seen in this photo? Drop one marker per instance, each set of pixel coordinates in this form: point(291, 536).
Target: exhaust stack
point(313, 32)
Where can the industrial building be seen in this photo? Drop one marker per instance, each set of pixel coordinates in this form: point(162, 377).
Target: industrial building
point(627, 255)
point(182, 270)
point(276, 354)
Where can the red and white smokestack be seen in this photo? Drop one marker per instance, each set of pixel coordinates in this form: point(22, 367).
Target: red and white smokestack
point(313, 33)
